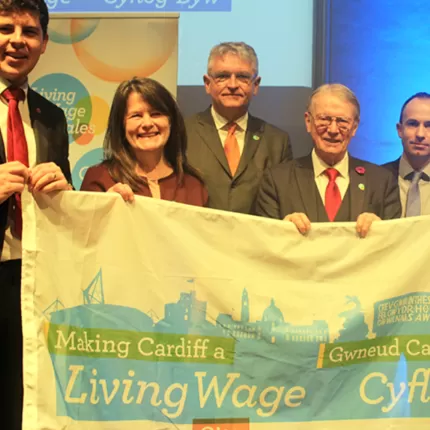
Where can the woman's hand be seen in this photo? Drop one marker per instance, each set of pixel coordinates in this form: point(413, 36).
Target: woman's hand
point(123, 189)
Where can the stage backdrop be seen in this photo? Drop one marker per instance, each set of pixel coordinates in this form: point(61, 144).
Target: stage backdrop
point(157, 315)
point(286, 68)
point(381, 61)
point(87, 57)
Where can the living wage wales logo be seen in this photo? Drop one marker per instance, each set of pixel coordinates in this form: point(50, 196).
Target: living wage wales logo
point(86, 115)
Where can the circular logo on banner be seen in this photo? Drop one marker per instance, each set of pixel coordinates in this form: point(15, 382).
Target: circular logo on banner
point(87, 160)
point(69, 94)
point(98, 122)
point(68, 31)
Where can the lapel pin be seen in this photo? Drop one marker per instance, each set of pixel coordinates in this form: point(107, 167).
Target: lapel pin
point(38, 110)
point(360, 170)
point(361, 186)
point(256, 137)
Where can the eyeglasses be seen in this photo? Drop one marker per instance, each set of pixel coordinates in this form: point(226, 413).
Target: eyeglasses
point(223, 77)
point(323, 122)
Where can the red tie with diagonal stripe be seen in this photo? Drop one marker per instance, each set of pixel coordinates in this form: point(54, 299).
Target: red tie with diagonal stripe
point(333, 199)
point(16, 143)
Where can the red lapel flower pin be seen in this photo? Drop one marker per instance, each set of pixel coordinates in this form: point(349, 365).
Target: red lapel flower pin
point(38, 110)
point(360, 170)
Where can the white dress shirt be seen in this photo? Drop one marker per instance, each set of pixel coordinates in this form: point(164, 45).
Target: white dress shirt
point(221, 125)
point(12, 245)
point(424, 185)
point(321, 179)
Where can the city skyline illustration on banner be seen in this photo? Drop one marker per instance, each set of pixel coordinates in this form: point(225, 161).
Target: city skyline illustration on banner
point(201, 359)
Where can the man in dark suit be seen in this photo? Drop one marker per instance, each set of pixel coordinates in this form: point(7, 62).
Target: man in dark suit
point(33, 152)
point(329, 184)
point(413, 167)
point(230, 147)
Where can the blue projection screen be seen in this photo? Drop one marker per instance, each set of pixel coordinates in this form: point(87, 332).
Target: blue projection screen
point(383, 56)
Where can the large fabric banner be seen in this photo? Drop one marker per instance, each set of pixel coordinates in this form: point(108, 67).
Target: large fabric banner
point(157, 315)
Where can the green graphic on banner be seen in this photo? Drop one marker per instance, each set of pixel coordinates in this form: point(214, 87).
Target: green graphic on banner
point(146, 346)
point(385, 349)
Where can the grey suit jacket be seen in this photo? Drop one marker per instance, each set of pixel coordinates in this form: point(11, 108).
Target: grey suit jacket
point(265, 146)
point(52, 144)
point(291, 188)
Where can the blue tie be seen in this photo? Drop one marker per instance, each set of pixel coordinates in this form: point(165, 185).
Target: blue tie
point(413, 200)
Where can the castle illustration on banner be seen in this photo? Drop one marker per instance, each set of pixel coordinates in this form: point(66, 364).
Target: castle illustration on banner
point(188, 315)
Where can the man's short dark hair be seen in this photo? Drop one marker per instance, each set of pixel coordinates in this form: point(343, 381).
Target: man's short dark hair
point(35, 7)
point(421, 95)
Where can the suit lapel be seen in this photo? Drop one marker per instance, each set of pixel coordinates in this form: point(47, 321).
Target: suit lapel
point(253, 136)
point(2, 150)
point(306, 183)
point(358, 187)
point(209, 135)
point(36, 118)
point(396, 167)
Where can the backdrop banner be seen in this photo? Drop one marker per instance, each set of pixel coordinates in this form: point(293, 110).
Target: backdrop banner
point(156, 315)
point(87, 57)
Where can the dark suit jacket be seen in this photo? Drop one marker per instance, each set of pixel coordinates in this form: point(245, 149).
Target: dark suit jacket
point(265, 146)
point(52, 144)
point(393, 167)
point(291, 187)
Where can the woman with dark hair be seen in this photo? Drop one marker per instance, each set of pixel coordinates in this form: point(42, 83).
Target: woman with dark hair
point(145, 148)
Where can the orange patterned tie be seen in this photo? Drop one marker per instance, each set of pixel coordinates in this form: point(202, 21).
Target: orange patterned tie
point(231, 148)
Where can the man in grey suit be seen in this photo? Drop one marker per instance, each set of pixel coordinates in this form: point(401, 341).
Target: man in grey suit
point(230, 147)
point(329, 184)
point(413, 167)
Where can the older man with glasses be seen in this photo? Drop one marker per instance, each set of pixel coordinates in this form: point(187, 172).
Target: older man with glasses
point(230, 147)
point(329, 184)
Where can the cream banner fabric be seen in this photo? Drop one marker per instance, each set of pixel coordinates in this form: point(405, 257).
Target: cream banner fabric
point(157, 315)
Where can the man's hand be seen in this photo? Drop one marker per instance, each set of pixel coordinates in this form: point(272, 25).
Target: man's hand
point(124, 190)
point(300, 220)
point(47, 177)
point(364, 221)
point(13, 177)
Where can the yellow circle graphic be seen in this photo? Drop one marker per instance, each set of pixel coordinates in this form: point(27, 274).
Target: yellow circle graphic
point(119, 49)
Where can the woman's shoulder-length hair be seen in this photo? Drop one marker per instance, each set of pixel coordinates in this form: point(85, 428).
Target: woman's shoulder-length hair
point(118, 153)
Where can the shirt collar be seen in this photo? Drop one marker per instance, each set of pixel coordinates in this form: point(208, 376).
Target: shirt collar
point(4, 83)
point(406, 169)
point(221, 122)
point(320, 166)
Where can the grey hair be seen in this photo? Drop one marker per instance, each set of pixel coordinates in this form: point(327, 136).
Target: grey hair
point(241, 49)
point(339, 90)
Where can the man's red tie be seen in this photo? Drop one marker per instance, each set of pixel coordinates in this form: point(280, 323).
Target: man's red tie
point(231, 148)
point(333, 199)
point(16, 143)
